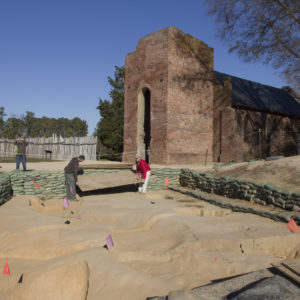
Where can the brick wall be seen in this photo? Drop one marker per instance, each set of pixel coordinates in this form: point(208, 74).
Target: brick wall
point(147, 67)
point(177, 69)
point(192, 118)
point(190, 99)
point(236, 131)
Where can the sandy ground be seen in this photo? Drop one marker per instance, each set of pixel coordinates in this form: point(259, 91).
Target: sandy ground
point(284, 172)
point(45, 166)
point(59, 165)
point(163, 241)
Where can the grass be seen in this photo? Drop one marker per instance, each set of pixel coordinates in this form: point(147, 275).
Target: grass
point(29, 159)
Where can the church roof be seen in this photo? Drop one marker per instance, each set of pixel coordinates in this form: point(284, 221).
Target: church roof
point(256, 96)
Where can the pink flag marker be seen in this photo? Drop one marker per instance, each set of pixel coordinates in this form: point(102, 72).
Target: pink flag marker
point(71, 190)
point(78, 217)
point(66, 203)
point(109, 241)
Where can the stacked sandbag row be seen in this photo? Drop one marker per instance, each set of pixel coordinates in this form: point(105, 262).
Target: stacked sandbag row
point(265, 194)
point(45, 185)
point(280, 197)
point(17, 179)
point(158, 177)
point(5, 188)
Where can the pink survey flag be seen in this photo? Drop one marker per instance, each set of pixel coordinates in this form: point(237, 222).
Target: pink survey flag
point(109, 241)
point(66, 203)
point(71, 190)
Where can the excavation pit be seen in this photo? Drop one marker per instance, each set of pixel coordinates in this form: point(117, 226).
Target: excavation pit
point(179, 242)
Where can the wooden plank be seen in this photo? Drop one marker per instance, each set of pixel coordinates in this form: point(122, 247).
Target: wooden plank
point(105, 166)
point(287, 272)
point(98, 181)
point(293, 265)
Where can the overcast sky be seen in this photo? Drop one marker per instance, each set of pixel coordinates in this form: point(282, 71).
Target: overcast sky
point(55, 55)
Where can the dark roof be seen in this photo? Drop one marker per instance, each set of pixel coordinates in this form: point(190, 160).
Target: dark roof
point(252, 95)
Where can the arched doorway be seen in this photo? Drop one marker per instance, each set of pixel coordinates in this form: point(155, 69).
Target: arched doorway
point(144, 124)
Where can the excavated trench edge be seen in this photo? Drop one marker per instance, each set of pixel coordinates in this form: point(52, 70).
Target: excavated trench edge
point(277, 216)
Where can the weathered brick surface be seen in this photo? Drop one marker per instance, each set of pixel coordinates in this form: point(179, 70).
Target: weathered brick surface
point(147, 68)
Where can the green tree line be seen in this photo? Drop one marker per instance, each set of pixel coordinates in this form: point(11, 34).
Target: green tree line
point(31, 126)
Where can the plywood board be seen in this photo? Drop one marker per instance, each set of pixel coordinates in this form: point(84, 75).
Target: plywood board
point(106, 180)
point(290, 269)
point(105, 166)
point(293, 265)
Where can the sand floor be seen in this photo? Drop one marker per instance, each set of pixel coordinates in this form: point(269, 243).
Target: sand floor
point(163, 241)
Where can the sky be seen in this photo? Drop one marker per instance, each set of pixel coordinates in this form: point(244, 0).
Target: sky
point(56, 55)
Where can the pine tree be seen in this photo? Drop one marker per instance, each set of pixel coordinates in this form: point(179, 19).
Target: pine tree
point(110, 128)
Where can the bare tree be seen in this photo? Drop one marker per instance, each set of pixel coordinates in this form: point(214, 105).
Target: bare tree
point(262, 30)
point(2, 115)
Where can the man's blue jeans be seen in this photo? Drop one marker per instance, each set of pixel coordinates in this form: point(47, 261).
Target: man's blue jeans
point(22, 158)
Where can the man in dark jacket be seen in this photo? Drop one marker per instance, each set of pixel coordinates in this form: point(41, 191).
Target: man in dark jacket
point(71, 176)
point(21, 155)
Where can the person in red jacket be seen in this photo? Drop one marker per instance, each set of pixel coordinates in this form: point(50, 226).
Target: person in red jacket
point(142, 172)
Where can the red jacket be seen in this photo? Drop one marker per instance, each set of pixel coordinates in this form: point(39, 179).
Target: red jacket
point(142, 167)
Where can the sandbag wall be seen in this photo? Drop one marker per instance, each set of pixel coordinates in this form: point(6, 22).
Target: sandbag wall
point(43, 184)
point(47, 185)
point(265, 194)
point(158, 176)
point(5, 188)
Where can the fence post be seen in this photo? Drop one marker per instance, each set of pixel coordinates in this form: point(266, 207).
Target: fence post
point(60, 149)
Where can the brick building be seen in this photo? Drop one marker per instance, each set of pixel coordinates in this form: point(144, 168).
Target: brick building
point(179, 110)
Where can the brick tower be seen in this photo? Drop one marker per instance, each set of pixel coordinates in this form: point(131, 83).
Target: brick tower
point(168, 110)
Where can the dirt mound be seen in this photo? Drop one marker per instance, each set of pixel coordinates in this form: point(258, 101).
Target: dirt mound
point(283, 172)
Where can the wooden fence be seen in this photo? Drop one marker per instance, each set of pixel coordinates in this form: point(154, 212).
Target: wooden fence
point(61, 148)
